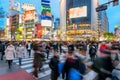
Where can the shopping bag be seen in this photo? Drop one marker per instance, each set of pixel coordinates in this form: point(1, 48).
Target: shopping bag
point(74, 75)
point(60, 67)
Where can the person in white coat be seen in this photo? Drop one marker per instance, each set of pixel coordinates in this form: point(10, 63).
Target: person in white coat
point(20, 50)
point(9, 54)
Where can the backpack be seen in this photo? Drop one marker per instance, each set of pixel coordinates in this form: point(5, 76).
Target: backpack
point(81, 66)
point(93, 50)
point(74, 75)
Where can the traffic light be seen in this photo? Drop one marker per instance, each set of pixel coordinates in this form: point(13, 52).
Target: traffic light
point(101, 8)
point(115, 2)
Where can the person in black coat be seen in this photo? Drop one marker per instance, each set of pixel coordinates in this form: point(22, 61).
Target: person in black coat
point(92, 52)
point(72, 62)
point(103, 65)
point(2, 49)
point(38, 58)
point(54, 66)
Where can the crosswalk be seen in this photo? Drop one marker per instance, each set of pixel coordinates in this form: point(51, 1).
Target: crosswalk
point(27, 64)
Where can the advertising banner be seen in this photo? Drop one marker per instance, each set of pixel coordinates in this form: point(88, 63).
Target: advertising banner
point(78, 12)
point(39, 31)
point(46, 23)
point(47, 1)
point(28, 6)
point(14, 5)
point(43, 4)
point(29, 15)
point(117, 32)
point(43, 17)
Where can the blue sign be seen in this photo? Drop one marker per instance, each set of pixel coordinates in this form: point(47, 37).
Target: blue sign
point(43, 4)
point(45, 1)
point(45, 17)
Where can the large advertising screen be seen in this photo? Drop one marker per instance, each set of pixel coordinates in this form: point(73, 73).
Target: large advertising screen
point(78, 12)
point(29, 15)
point(117, 32)
point(46, 23)
point(28, 6)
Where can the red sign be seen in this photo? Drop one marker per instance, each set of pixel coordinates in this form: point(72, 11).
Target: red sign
point(38, 31)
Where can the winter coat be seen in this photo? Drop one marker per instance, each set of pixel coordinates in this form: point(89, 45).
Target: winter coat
point(20, 51)
point(54, 64)
point(9, 52)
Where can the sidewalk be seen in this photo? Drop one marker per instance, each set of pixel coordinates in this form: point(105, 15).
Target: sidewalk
point(4, 68)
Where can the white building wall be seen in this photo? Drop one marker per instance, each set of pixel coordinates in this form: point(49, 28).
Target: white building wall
point(94, 15)
point(63, 16)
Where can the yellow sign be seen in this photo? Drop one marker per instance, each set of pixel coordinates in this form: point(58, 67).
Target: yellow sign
point(84, 25)
point(78, 31)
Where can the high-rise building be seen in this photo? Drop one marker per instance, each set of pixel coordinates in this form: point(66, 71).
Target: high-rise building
point(13, 17)
point(29, 20)
point(46, 19)
point(81, 19)
point(63, 18)
point(56, 23)
point(104, 24)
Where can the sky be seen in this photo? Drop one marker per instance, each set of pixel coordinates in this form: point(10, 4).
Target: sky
point(113, 13)
point(54, 8)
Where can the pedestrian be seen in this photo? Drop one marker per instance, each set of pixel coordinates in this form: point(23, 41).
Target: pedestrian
point(38, 58)
point(54, 66)
point(47, 50)
point(2, 49)
point(29, 47)
point(104, 64)
point(92, 51)
point(72, 63)
point(20, 52)
point(9, 54)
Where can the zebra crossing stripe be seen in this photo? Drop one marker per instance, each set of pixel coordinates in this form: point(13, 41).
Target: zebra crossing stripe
point(31, 64)
point(25, 66)
point(26, 62)
point(16, 60)
point(31, 69)
point(43, 74)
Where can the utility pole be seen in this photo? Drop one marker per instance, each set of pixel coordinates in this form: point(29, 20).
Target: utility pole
point(99, 26)
point(104, 7)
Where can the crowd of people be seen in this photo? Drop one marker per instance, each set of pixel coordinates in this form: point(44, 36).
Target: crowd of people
point(68, 57)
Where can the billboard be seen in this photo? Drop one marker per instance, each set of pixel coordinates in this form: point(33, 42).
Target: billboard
point(45, 17)
point(117, 31)
point(29, 14)
point(8, 21)
point(39, 31)
point(45, 1)
point(46, 23)
point(14, 5)
point(28, 6)
point(78, 12)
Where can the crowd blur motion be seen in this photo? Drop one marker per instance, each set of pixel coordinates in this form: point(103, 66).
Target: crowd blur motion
point(70, 60)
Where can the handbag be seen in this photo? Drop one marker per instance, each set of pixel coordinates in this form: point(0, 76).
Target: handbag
point(74, 75)
point(60, 67)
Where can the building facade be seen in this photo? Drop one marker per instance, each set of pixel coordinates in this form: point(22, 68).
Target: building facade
point(81, 19)
point(56, 23)
point(104, 24)
point(29, 20)
point(63, 19)
point(46, 19)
